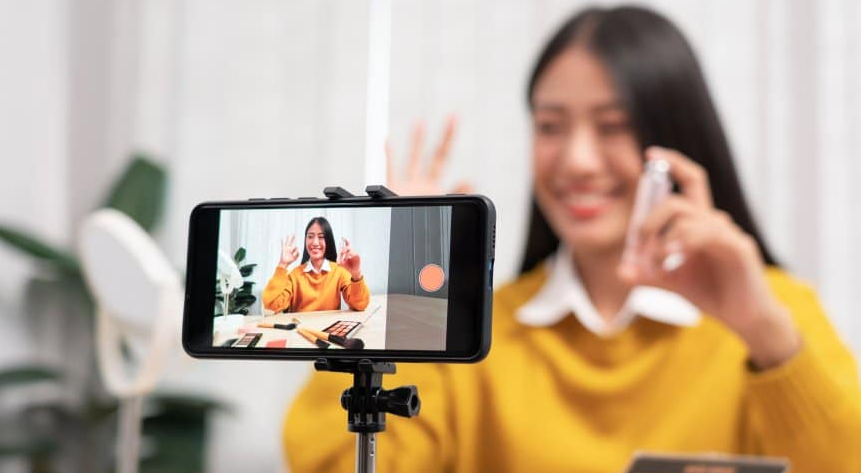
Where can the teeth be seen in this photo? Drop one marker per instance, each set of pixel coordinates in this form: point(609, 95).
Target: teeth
point(586, 200)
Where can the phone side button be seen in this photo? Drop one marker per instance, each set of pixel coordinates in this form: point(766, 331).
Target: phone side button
point(490, 274)
point(256, 199)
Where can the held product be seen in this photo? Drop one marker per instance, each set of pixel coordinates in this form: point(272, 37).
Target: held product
point(654, 186)
point(410, 276)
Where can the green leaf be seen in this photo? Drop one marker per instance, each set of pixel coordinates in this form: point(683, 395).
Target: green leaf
point(244, 298)
point(240, 255)
point(27, 374)
point(26, 445)
point(245, 289)
point(177, 429)
point(183, 404)
point(66, 290)
point(246, 270)
point(242, 304)
point(38, 248)
point(140, 192)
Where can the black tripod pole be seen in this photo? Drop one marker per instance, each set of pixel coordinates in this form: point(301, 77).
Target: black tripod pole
point(367, 404)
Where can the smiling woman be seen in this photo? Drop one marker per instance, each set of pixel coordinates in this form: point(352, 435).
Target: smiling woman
point(726, 352)
point(319, 282)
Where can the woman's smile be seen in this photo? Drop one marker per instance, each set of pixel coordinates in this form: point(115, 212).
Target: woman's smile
point(585, 204)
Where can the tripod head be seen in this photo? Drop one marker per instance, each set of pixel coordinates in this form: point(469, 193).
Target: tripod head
point(367, 402)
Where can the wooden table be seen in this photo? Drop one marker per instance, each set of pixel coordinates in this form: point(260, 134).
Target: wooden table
point(393, 322)
point(373, 331)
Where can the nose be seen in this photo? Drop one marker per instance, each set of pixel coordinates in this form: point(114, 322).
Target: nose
point(581, 156)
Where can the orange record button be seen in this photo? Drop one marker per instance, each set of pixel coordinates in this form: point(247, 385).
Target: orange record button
point(431, 278)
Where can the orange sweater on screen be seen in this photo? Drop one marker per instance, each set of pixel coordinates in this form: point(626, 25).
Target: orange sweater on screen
point(560, 398)
point(300, 291)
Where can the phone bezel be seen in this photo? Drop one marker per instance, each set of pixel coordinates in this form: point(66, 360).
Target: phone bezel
point(469, 310)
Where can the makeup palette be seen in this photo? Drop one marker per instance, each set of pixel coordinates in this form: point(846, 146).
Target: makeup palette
point(342, 328)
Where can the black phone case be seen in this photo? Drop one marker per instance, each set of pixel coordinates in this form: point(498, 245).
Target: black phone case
point(339, 198)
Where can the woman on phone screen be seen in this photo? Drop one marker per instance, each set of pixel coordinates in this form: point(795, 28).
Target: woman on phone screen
point(593, 359)
point(319, 282)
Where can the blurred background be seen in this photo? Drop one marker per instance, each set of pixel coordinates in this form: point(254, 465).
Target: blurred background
point(228, 99)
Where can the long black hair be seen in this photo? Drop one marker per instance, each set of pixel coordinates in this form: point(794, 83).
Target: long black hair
point(662, 87)
point(331, 253)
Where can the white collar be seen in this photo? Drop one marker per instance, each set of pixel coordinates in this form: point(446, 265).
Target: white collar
point(325, 267)
point(563, 293)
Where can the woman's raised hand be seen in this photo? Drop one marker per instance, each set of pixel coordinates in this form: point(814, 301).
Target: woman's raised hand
point(418, 181)
point(721, 272)
point(289, 252)
point(350, 260)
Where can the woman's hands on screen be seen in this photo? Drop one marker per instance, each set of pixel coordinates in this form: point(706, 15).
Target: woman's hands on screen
point(289, 252)
point(350, 260)
point(418, 181)
point(722, 271)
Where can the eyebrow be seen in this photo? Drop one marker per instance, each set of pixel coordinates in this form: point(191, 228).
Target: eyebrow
point(558, 108)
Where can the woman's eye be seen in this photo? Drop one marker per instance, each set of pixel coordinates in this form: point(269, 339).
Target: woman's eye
point(548, 128)
point(613, 128)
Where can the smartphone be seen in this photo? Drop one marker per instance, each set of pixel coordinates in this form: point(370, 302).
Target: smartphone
point(411, 277)
point(644, 462)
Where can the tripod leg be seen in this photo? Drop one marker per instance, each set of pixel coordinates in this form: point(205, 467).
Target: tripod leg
point(128, 441)
point(366, 452)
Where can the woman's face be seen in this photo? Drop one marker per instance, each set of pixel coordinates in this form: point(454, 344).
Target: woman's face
point(587, 160)
point(315, 241)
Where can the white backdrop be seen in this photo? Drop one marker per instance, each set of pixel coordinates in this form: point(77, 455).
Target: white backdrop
point(228, 92)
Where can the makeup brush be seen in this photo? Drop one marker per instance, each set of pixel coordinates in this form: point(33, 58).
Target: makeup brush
point(278, 326)
point(349, 343)
point(311, 338)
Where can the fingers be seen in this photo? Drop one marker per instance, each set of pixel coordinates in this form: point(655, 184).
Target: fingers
point(678, 243)
point(440, 156)
point(647, 253)
point(416, 150)
point(659, 220)
point(463, 188)
point(691, 177)
point(341, 256)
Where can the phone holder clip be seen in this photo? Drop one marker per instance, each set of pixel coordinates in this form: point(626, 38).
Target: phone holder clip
point(374, 192)
point(337, 192)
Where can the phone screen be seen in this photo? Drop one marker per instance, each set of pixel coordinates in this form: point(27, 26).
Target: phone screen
point(375, 268)
point(359, 278)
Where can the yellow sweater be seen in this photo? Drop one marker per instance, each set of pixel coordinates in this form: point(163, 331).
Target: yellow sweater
point(561, 399)
point(300, 291)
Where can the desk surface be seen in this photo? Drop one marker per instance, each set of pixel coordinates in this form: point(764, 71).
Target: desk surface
point(393, 321)
point(372, 331)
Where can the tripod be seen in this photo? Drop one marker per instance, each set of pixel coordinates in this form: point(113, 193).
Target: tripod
point(367, 403)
